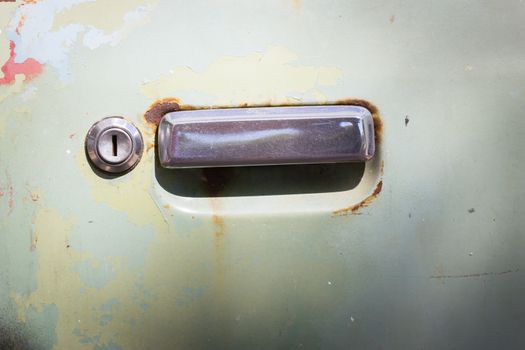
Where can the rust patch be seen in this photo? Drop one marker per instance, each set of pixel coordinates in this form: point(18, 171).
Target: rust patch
point(72, 135)
point(364, 203)
point(34, 197)
point(160, 107)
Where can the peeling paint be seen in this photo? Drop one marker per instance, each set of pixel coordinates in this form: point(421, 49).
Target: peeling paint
point(6, 14)
point(257, 77)
point(43, 33)
point(116, 14)
point(29, 67)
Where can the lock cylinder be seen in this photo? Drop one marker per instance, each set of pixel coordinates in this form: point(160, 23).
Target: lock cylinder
point(114, 145)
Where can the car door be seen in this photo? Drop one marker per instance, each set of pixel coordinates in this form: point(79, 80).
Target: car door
point(420, 247)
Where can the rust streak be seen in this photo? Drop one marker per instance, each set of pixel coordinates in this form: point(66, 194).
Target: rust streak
point(218, 222)
point(364, 203)
point(219, 248)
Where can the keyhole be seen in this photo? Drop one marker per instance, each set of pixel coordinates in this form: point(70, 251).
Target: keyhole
point(114, 140)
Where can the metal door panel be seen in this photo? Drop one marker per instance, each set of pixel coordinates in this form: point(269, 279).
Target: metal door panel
point(421, 248)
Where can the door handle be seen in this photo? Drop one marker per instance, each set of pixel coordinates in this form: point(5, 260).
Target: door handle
point(266, 136)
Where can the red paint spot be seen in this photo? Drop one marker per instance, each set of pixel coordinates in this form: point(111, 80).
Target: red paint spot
point(20, 24)
point(30, 67)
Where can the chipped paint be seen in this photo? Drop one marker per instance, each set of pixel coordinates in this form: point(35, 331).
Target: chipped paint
point(275, 256)
point(116, 14)
point(30, 68)
point(73, 281)
point(6, 14)
point(37, 37)
point(258, 77)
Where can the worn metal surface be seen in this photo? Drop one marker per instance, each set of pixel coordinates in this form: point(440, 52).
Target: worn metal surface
point(425, 253)
point(265, 136)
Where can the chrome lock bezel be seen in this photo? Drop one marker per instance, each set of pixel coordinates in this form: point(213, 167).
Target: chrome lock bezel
point(92, 140)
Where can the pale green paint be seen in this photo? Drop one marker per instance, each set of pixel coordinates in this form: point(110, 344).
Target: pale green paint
point(415, 270)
